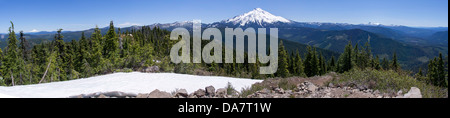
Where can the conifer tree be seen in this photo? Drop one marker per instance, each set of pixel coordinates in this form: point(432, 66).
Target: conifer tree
point(394, 63)
point(308, 62)
point(299, 65)
point(376, 63)
point(385, 64)
point(62, 58)
point(315, 63)
point(355, 57)
point(324, 64)
point(2, 81)
point(440, 71)
point(255, 69)
point(432, 71)
point(24, 47)
point(11, 59)
point(368, 58)
point(332, 65)
point(81, 53)
point(420, 74)
point(96, 59)
point(110, 50)
point(282, 61)
point(347, 59)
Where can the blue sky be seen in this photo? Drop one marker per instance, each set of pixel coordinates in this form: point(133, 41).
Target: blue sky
point(71, 15)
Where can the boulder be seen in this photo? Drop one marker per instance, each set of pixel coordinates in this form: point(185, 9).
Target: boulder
point(264, 91)
point(400, 93)
point(200, 93)
point(310, 86)
point(181, 93)
point(414, 92)
point(330, 84)
point(159, 94)
point(362, 87)
point(222, 92)
point(140, 95)
point(151, 69)
point(192, 96)
point(210, 91)
point(376, 92)
point(102, 96)
point(114, 93)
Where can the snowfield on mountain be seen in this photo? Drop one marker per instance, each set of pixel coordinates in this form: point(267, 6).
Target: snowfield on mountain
point(258, 16)
point(134, 82)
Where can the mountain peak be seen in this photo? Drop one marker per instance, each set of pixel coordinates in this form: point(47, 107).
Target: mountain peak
point(258, 16)
point(258, 9)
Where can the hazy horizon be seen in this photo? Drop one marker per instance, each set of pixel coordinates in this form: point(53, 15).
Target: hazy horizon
point(76, 15)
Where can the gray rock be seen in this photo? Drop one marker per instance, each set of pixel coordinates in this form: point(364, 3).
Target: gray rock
point(330, 85)
point(400, 93)
point(114, 94)
point(210, 91)
point(222, 92)
point(140, 95)
point(376, 92)
point(264, 91)
point(102, 96)
point(151, 69)
point(159, 94)
point(200, 93)
point(362, 87)
point(279, 90)
point(311, 87)
point(181, 93)
point(192, 96)
point(288, 91)
point(414, 92)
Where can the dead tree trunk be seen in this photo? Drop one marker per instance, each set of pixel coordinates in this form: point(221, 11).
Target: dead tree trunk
point(12, 77)
point(21, 78)
point(46, 70)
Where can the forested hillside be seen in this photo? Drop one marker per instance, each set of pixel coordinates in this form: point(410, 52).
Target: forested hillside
point(139, 49)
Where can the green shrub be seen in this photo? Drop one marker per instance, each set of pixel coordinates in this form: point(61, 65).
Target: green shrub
point(2, 82)
point(285, 84)
point(389, 81)
point(230, 89)
point(250, 90)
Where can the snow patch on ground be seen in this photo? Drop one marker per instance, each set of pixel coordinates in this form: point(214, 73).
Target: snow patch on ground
point(134, 82)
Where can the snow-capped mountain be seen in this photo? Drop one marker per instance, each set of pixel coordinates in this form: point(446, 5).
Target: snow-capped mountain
point(257, 16)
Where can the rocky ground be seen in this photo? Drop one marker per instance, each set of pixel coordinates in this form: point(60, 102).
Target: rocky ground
point(314, 87)
point(309, 90)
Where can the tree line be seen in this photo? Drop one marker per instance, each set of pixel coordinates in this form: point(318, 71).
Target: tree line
point(137, 49)
point(98, 54)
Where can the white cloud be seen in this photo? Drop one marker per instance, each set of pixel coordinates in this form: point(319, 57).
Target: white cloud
point(34, 30)
point(126, 24)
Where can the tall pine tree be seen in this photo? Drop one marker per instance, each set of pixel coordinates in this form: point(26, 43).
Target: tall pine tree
point(282, 61)
point(440, 71)
point(11, 59)
point(394, 63)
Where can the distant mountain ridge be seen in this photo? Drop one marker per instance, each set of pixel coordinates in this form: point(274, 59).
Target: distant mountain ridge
point(260, 18)
point(413, 45)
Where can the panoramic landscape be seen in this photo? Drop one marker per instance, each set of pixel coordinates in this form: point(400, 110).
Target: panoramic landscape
point(117, 58)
